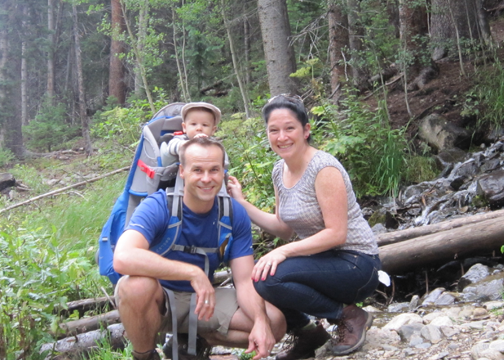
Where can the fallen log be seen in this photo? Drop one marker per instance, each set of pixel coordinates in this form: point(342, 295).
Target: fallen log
point(85, 305)
point(75, 327)
point(401, 235)
point(446, 245)
point(75, 347)
point(63, 189)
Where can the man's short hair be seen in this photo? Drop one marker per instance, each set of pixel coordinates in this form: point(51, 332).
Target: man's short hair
point(202, 141)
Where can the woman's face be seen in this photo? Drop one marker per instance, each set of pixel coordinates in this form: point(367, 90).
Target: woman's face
point(286, 135)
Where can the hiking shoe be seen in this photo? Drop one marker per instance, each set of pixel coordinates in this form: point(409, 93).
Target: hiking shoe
point(203, 349)
point(351, 330)
point(151, 355)
point(305, 343)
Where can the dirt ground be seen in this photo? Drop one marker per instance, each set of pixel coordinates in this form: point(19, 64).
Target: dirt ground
point(445, 94)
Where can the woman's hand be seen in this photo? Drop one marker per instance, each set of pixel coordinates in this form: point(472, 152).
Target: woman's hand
point(234, 189)
point(268, 264)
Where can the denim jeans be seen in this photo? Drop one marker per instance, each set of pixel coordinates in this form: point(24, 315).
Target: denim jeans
point(320, 284)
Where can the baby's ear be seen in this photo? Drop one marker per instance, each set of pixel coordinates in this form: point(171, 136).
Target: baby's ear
point(184, 127)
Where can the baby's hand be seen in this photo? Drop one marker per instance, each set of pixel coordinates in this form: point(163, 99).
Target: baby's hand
point(200, 135)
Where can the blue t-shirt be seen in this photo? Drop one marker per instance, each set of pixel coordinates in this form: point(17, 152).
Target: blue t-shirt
point(152, 216)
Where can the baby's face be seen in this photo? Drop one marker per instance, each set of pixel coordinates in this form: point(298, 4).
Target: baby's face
point(199, 122)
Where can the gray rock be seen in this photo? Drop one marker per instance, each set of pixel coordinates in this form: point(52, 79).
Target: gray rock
point(398, 307)
point(490, 288)
point(407, 331)
point(476, 273)
point(431, 333)
point(433, 296)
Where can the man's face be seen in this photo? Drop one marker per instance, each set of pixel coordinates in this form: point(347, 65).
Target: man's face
point(203, 174)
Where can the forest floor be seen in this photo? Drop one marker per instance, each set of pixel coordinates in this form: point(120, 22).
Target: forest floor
point(445, 94)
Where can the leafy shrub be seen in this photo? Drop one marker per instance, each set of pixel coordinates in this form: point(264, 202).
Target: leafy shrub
point(6, 156)
point(49, 127)
point(251, 159)
point(420, 168)
point(370, 150)
point(490, 93)
point(36, 280)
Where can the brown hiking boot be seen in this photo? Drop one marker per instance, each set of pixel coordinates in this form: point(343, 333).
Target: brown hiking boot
point(151, 355)
point(352, 330)
point(305, 343)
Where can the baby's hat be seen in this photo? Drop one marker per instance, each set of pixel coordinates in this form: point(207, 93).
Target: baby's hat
point(214, 109)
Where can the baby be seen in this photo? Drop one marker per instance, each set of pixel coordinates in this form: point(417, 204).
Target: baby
point(198, 119)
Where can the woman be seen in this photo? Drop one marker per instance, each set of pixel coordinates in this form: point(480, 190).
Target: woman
point(335, 262)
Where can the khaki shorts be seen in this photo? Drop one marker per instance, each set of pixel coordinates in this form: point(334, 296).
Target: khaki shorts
point(226, 306)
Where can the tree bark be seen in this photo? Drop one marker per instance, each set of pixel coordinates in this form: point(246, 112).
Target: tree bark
point(413, 24)
point(338, 40)
point(50, 50)
point(24, 73)
point(117, 85)
point(75, 327)
point(402, 235)
point(451, 21)
point(243, 91)
point(355, 34)
point(88, 148)
point(446, 245)
point(279, 55)
point(81, 344)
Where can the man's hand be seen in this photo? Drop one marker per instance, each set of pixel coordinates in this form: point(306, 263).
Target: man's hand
point(261, 340)
point(205, 292)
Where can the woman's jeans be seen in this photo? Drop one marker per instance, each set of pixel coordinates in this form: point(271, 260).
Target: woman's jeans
point(320, 284)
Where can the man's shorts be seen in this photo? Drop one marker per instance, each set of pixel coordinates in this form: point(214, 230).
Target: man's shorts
point(226, 306)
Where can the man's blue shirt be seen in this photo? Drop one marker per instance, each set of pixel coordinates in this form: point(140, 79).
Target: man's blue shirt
point(152, 216)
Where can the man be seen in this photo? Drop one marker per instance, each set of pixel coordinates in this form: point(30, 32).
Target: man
point(236, 318)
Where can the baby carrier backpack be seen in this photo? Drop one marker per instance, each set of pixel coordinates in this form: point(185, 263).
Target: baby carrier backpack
point(146, 176)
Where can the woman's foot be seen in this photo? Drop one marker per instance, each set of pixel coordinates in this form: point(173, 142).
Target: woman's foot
point(351, 330)
point(306, 341)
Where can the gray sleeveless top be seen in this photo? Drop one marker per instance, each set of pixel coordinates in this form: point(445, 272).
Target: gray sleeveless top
point(298, 206)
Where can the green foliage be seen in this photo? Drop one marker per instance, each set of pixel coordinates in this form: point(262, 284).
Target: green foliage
point(420, 168)
point(251, 159)
point(6, 156)
point(38, 276)
point(370, 150)
point(123, 125)
point(49, 127)
point(490, 93)
point(105, 352)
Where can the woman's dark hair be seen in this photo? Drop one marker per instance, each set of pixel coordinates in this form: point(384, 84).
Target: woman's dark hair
point(285, 101)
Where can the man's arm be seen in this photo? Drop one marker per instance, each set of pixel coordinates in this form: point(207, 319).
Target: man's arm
point(261, 336)
point(133, 257)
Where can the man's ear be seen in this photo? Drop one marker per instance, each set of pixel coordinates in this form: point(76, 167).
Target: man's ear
point(181, 171)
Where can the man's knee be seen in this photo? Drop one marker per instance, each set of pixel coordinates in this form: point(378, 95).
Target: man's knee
point(137, 290)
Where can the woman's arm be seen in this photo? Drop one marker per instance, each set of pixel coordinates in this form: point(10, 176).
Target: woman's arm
point(332, 198)
point(270, 223)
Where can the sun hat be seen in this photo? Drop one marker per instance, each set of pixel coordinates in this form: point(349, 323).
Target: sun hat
point(192, 105)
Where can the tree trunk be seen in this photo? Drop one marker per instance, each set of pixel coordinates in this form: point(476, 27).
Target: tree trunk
point(246, 45)
point(413, 24)
point(24, 73)
point(142, 34)
point(12, 136)
point(117, 85)
point(402, 235)
point(80, 83)
point(235, 62)
point(442, 246)
point(279, 55)
point(451, 22)
point(355, 33)
point(338, 40)
point(50, 50)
